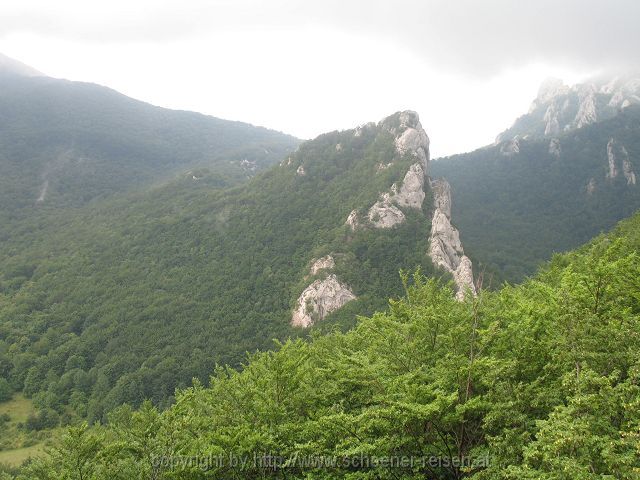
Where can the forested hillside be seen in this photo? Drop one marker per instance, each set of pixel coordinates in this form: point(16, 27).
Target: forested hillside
point(518, 202)
point(131, 298)
point(539, 381)
point(65, 143)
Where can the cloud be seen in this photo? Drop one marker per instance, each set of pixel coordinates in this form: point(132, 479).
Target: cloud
point(464, 36)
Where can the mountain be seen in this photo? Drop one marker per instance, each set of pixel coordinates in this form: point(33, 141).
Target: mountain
point(132, 297)
point(66, 143)
point(14, 67)
point(530, 195)
point(559, 108)
point(539, 381)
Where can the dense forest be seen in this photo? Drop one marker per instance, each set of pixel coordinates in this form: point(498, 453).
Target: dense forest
point(515, 209)
point(131, 298)
point(538, 381)
point(63, 144)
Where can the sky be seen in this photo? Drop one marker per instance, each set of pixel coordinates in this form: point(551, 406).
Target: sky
point(468, 67)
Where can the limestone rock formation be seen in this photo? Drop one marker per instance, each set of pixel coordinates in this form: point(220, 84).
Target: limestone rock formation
point(441, 196)
point(587, 113)
point(325, 263)
point(559, 108)
point(511, 147)
point(591, 186)
point(384, 214)
point(617, 152)
point(300, 171)
point(552, 124)
point(411, 192)
point(352, 220)
point(320, 299)
point(611, 157)
point(627, 170)
point(410, 138)
point(445, 248)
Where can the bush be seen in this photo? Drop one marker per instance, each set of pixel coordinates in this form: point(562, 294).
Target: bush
point(6, 392)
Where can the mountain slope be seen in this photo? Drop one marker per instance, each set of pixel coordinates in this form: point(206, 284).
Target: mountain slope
point(518, 202)
point(133, 297)
point(538, 381)
point(559, 108)
point(65, 143)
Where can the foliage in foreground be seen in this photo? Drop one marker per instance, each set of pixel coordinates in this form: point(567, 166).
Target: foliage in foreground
point(540, 381)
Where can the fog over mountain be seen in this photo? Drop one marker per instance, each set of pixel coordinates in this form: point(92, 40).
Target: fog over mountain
point(468, 67)
point(324, 240)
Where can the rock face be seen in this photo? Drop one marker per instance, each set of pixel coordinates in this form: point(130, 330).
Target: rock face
point(352, 220)
point(445, 248)
point(559, 108)
point(627, 171)
point(554, 147)
point(325, 263)
point(320, 299)
point(512, 147)
point(587, 113)
point(617, 152)
point(384, 214)
point(410, 139)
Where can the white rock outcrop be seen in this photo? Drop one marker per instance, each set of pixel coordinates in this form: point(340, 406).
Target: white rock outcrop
point(587, 113)
point(325, 263)
point(352, 220)
point(611, 157)
point(320, 299)
point(512, 147)
point(300, 171)
point(591, 186)
point(384, 214)
point(554, 147)
point(552, 124)
point(550, 89)
point(441, 196)
point(445, 248)
point(618, 156)
point(627, 169)
point(559, 108)
point(411, 192)
point(410, 138)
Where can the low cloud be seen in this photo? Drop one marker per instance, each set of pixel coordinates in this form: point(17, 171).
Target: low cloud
point(464, 36)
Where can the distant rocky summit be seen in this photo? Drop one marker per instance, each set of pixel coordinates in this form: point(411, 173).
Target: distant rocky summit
point(560, 108)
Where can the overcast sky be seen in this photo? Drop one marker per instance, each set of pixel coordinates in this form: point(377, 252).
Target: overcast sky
point(469, 67)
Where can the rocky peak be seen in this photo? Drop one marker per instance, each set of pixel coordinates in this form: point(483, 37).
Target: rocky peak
point(549, 89)
point(410, 137)
point(320, 299)
point(559, 108)
point(445, 248)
